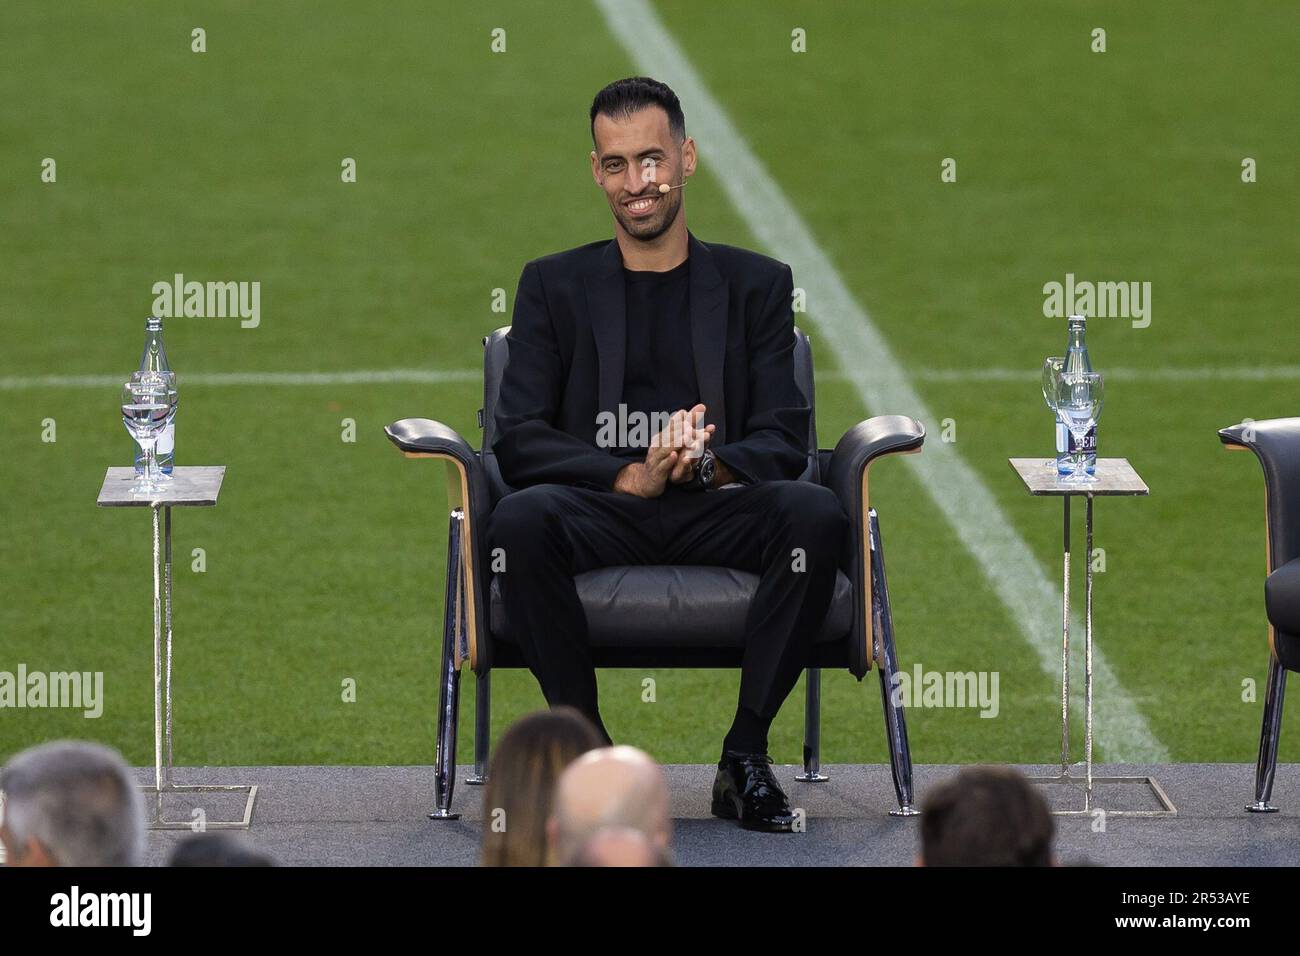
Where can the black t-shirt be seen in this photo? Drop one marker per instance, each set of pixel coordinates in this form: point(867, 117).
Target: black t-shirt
point(659, 375)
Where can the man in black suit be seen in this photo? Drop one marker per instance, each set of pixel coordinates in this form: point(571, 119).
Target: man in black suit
point(648, 414)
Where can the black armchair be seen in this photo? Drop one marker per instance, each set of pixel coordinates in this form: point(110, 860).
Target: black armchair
point(1276, 443)
point(706, 627)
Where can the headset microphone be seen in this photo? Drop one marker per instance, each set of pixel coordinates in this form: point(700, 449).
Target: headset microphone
point(664, 188)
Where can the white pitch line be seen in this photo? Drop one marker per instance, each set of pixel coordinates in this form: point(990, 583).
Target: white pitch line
point(415, 376)
point(1278, 373)
point(401, 376)
point(882, 383)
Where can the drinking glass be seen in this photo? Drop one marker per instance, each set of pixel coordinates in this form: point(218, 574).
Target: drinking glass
point(148, 404)
point(1053, 367)
point(157, 378)
point(1079, 399)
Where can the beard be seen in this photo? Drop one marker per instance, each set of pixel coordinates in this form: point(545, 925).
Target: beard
point(649, 228)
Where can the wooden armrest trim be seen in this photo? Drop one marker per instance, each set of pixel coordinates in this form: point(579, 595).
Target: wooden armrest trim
point(466, 648)
point(868, 630)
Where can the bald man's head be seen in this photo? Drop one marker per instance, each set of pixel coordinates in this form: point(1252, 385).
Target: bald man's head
point(619, 846)
point(618, 787)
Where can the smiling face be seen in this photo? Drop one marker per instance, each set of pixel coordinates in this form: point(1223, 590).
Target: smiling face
point(633, 155)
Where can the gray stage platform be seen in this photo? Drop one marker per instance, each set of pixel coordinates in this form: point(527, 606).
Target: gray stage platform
point(375, 816)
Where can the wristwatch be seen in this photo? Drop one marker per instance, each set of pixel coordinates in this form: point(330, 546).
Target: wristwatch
point(705, 469)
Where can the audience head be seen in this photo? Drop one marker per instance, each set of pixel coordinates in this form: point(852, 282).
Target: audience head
point(986, 816)
point(217, 849)
point(619, 846)
point(619, 787)
point(521, 783)
point(71, 804)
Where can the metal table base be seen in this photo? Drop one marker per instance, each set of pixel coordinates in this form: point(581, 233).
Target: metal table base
point(191, 486)
point(1115, 476)
point(1167, 807)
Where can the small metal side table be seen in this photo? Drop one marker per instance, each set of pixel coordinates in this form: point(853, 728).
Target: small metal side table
point(194, 486)
point(1114, 476)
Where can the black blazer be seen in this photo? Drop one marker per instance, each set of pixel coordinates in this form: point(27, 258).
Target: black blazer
point(566, 359)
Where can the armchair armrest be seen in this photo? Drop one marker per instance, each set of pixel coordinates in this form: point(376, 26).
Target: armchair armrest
point(425, 438)
point(1276, 443)
point(846, 475)
point(467, 492)
point(866, 441)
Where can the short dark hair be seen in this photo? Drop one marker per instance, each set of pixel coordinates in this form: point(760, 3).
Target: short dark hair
point(986, 816)
point(624, 97)
point(218, 849)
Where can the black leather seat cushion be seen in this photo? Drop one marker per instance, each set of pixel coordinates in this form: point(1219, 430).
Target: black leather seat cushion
point(627, 606)
point(1282, 597)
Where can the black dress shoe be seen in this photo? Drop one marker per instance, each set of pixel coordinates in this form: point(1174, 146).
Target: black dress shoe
point(746, 790)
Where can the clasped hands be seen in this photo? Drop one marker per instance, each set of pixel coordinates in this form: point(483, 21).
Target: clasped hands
point(671, 456)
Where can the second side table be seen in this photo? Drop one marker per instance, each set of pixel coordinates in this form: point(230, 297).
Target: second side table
point(1114, 476)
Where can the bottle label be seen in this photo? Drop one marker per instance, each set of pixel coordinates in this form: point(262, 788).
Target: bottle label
point(1089, 442)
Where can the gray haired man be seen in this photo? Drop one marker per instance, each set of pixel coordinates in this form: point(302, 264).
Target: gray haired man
point(71, 804)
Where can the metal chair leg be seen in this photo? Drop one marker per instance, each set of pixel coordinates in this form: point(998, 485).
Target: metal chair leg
point(449, 677)
point(812, 728)
point(900, 753)
point(482, 728)
point(1268, 738)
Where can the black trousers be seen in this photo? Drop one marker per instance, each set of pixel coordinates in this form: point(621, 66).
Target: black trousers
point(549, 533)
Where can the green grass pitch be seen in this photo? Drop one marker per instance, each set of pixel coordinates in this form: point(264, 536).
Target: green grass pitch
point(325, 558)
